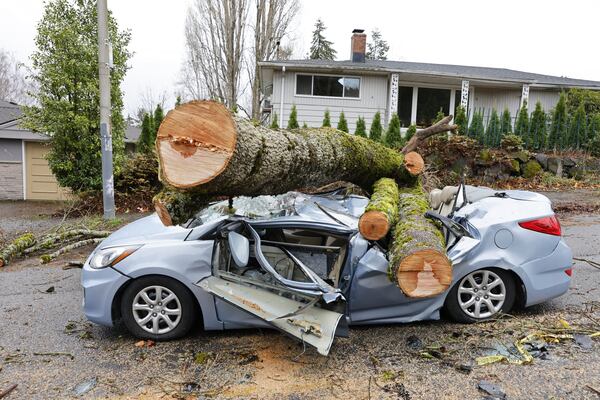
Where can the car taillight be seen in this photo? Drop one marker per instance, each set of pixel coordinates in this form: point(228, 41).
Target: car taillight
point(569, 271)
point(548, 225)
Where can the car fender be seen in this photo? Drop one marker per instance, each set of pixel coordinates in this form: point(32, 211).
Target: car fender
point(185, 261)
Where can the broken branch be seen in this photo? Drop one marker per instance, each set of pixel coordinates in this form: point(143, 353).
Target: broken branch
point(442, 125)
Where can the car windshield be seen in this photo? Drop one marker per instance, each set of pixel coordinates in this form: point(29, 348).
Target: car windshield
point(340, 209)
point(260, 207)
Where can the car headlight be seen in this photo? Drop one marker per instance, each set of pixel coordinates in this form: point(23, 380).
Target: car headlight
point(110, 256)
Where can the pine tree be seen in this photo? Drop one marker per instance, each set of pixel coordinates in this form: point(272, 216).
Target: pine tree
point(506, 125)
point(361, 128)
point(274, 121)
point(461, 120)
point(492, 134)
point(537, 128)
point(410, 132)
point(321, 48)
point(304, 126)
point(393, 138)
point(377, 48)
point(156, 121)
point(293, 120)
point(522, 125)
point(558, 128)
point(439, 116)
point(342, 123)
point(376, 129)
point(326, 120)
point(178, 101)
point(476, 129)
point(143, 143)
point(578, 132)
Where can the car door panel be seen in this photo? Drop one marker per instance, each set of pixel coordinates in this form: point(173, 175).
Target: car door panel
point(314, 326)
point(376, 299)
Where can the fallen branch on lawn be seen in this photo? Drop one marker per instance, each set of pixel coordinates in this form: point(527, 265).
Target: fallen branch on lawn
point(16, 247)
point(590, 262)
point(8, 390)
point(51, 241)
point(46, 258)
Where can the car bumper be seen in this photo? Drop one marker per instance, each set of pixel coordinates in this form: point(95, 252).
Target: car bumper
point(545, 278)
point(99, 289)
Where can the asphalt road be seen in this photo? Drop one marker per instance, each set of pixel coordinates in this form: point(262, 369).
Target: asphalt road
point(50, 351)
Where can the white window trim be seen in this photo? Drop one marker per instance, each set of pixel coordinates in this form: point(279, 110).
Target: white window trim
point(326, 97)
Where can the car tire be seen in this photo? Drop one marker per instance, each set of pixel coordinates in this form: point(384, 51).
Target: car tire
point(140, 302)
point(458, 307)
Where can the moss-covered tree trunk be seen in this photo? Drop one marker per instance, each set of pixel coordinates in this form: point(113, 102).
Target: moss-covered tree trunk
point(205, 151)
point(382, 211)
point(417, 254)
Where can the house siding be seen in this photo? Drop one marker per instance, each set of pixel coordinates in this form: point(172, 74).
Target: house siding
point(548, 99)
point(310, 109)
point(11, 181)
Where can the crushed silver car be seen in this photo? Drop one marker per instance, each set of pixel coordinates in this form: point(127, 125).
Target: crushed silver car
point(297, 262)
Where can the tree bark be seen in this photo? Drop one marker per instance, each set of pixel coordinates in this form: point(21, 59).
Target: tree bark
point(418, 261)
point(16, 248)
point(442, 125)
point(206, 151)
point(382, 211)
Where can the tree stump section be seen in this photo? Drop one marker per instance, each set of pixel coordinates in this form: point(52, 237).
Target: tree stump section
point(418, 261)
point(381, 212)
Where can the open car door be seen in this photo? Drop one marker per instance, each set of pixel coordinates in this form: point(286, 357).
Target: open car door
point(301, 304)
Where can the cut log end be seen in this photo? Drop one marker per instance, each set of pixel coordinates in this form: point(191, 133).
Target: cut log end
point(424, 273)
point(162, 213)
point(414, 163)
point(373, 225)
point(204, 150)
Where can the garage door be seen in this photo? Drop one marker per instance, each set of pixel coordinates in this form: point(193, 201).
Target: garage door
point(41, 183)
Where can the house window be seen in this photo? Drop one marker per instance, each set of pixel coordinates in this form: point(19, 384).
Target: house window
point(405, 96)
point(327, 86)
point(430, 102)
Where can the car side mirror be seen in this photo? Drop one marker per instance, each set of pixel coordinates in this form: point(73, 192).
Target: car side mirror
point(239, 248)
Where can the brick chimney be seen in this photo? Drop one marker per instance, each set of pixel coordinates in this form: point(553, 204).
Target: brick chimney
point(358, 45)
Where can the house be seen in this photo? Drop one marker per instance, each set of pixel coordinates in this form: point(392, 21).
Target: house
point(416, 91)
point(24, 170)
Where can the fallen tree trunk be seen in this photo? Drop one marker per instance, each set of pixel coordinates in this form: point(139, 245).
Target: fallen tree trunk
point(16, 247)
point(417, 255)
point(382, 211)
point(206, 151)
point(442, 125)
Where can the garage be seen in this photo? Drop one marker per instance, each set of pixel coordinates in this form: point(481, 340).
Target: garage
point(40, 183)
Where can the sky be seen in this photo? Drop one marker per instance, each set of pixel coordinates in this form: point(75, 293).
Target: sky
point(548, 37)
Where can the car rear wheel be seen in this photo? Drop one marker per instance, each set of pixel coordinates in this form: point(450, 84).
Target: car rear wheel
point(481, 295)
point(158, 308)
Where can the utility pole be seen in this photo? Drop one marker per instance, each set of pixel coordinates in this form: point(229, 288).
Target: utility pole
point(104, 65)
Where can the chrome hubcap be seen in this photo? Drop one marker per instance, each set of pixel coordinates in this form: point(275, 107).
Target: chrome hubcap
point(481, 294)
point(156, 309)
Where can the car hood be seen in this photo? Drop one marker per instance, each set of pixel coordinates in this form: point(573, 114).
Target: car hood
point(143, 230)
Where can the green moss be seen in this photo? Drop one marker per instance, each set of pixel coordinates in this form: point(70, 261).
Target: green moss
point(531, 169)
point(485, 155)
point(202, 357)
point(388, 375)
point(385, 199)
point(45, 258)
point(515, 167)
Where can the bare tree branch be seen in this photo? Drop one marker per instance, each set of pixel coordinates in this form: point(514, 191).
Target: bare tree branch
point(442, 125)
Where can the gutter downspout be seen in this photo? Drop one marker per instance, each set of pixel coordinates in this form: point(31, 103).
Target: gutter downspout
point(281, 98)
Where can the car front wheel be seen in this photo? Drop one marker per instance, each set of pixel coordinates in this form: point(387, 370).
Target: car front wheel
point(480, 295)
point(158, 308)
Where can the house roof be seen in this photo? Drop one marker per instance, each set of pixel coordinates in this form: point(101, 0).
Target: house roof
point(445, 70)
point(11, 113)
